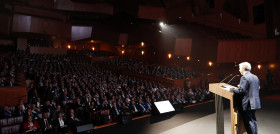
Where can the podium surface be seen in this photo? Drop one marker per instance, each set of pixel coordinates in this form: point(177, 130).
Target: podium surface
point(220, 92)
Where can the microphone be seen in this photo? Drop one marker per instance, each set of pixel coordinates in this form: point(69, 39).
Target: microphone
point(232, 78)
point(224, 79)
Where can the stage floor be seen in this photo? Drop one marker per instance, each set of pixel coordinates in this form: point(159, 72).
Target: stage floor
point(199, 119)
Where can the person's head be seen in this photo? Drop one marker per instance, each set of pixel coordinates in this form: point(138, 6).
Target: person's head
point(45, 115)
point(58, 107)
point(30, 118)
point(244, 67)
point(48, 102)
point(72, 112)
point(38, 99)
point(59, 115)
point(29, 111)
point(20, 101)
point(6, 108)
point(20, 107)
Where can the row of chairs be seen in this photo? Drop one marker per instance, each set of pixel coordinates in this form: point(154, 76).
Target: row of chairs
point(11, 121)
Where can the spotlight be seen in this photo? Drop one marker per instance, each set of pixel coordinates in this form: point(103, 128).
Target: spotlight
point(142, 52)
point(92, 41)
point(69, 46)
point(159, 31)
point(142, 44)
point(92, 48)
point(188, 58)
point(122, 51)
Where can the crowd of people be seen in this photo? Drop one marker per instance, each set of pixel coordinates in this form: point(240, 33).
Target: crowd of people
point(156, 70)
point(7, 76)
point(79, 91)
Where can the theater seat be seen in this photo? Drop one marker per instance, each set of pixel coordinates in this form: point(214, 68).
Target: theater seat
point(18, 120)
point(12, 108)
point(11, 121)
point(107, 118)
point(3, 122)
point(105, 112)
point(6, 130)
point(15, 128)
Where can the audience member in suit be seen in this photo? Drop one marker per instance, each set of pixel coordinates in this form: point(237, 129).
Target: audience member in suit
point(24, 106)
point(148, 104)
point(78, 104)
point(19, 111)
point(47, 107)
point(116, 112)
point(142, 108)
point(125, 110)
point(38, 103)
point(54, 113)
point(29, 113)
point(134, 108)
point(60, 124)
point(7, 113)
point(73, 121)
point(34, 109)
point(173, 100)
point(46, 124)
point(30, 126)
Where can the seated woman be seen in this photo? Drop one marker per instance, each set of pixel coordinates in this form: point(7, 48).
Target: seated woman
point(30, 127)
point(60, 124)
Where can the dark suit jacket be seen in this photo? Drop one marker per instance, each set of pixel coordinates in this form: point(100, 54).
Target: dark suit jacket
point(43, 125)
point(249, 87)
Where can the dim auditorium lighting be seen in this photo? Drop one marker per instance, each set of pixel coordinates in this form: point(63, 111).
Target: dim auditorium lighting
point(272, 66)
point(69, 46)
point(188, 58)
point(142, 52)
point(92, 41)
point(169, 55)
point(122, 51)
point(210, 63)
point(259, 67)
point(142, 44)
point(122, 45)
point(93, 48)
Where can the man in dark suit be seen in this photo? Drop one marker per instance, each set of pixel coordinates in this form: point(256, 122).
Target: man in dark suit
point(46, 124)
point(249, 87)
point(73, 121)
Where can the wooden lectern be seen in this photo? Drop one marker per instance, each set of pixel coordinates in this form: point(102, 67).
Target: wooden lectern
point(220, 92)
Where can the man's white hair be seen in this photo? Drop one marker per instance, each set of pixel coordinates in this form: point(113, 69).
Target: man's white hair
point(245, 65)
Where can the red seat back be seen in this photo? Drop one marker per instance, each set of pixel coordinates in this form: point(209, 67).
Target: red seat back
point(105, 112)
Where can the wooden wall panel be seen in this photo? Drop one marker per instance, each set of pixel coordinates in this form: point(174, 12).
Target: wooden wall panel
point(5, 23)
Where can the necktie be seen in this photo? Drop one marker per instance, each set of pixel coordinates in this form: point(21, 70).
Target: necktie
point(47, 124)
